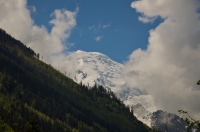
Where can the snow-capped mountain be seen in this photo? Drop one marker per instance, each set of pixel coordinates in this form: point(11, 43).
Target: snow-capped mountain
point(165, 120)
point(93, 67)
point(161, 120)
point(142, 114)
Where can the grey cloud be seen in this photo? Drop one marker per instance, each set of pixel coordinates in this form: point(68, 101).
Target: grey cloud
point(169, 68)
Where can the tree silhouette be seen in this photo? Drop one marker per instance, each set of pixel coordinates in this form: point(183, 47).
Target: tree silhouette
point(32, 126)
point(38, 56)
point(192, 123)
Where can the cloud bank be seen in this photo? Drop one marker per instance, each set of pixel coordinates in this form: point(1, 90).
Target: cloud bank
point(169, 68)
point(16, 20)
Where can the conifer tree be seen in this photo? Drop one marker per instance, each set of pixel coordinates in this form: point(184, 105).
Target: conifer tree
point(32, 126)
point(4, 127)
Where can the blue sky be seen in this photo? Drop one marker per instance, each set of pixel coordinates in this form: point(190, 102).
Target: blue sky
point(109, 27)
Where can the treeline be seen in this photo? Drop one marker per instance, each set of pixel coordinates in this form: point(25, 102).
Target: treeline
point(30, 88)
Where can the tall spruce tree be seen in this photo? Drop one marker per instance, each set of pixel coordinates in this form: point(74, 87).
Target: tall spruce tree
point(32, 126)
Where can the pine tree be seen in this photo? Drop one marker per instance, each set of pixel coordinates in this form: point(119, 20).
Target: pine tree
point(32, 126)
point(4, 127)
point(38, 56)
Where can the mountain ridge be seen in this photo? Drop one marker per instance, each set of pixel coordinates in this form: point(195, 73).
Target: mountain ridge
point(32, 88)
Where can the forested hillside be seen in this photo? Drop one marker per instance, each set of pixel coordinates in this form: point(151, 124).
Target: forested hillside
point(35, 95)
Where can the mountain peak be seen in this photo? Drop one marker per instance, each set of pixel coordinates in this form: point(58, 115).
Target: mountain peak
point(90, 53)
point(79, 51)
point(94, 67)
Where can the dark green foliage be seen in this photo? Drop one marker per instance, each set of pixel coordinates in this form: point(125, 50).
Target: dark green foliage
point(32, 126)
point(198, 83)
point(29, 87)
point(192, 123)
point(5, 127)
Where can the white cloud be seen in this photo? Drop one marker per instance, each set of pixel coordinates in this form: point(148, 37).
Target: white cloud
point(146, 19)
point(32, 8)
point(106, 26)
point(98, 38)
point(91, 27)
point(16, 20)
point(169, 68)
point(96, 28)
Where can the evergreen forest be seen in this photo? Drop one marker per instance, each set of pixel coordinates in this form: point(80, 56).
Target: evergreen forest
point(35, 97)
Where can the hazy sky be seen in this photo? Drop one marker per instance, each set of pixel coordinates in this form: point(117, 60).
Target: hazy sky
point(161, 38)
